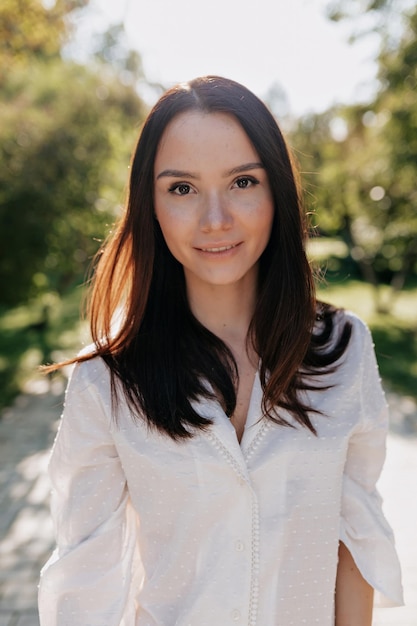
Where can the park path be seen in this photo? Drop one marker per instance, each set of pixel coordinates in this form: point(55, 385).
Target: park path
point(27, 431)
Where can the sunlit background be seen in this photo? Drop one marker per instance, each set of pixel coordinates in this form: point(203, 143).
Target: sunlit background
point(77, 78)
point(268, 44)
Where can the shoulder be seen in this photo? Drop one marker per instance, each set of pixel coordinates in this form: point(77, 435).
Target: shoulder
point(333, 321)
point(344, 316)
point(339, 338)
point(360, 346)
point(90, 373)
point(360, 332)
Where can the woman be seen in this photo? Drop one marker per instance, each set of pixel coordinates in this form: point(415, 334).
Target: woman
point(220, 443)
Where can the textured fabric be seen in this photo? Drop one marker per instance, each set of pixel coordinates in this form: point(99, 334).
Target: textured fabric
point(151, 532)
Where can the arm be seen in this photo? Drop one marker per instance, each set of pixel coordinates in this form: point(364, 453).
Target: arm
point(365, 534)
point(88, 579)
point(354, 596)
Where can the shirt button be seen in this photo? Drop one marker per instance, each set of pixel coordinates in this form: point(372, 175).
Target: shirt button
point(236, 615)
point(239, 546)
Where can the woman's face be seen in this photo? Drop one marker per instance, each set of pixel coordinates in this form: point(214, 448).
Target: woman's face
point(212, 198)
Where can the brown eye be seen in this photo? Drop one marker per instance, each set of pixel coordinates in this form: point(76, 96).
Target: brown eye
point(180, 189)
point(246, 181)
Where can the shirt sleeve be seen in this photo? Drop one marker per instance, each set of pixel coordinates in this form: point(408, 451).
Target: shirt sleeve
point(90, 576)
point(364, 529)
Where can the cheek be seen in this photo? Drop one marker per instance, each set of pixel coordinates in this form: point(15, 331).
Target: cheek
point(170, 216)
point(263, 222)
point(168, 230)
point(174, 228)
point(166, 217)
point(270, 220)
point(264, 230)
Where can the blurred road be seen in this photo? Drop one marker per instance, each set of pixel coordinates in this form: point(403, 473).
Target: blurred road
point(27, 431)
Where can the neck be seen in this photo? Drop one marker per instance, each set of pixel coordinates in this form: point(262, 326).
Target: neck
point(226, 310)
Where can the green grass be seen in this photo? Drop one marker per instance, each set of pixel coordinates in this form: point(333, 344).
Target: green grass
point(23, 346)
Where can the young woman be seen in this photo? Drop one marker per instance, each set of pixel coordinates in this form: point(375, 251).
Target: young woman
point(220, 442)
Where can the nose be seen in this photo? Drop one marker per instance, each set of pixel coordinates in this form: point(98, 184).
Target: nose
point(215, 214)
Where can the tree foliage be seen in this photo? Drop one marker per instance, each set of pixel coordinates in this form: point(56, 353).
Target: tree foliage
point(370, 17)
point(29, 29)
point(66, 133)
point(362, 161)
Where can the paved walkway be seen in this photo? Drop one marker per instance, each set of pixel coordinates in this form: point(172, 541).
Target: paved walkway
point(26, 434)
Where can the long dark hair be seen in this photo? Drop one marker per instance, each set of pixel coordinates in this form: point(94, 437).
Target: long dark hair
point(159, 352)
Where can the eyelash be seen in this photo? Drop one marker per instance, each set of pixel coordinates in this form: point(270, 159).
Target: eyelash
point(176, 186)
point(173, 188)
point(251, 179)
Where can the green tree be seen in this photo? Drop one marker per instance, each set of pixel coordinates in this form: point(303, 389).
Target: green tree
point(371, 17)
point(66, 134)
point(30, 30)
point(365, 163)
point(65, 140)
point(397, 102)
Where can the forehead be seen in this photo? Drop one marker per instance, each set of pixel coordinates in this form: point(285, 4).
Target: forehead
point(204, 134)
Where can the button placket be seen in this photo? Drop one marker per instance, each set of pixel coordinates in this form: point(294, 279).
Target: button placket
point(254, 585)
point(253, 601)
point(240, 469)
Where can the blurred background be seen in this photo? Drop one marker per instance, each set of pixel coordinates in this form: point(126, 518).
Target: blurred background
point(75, 85)
point(77, 78)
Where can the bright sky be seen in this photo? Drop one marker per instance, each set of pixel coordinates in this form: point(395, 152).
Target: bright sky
point(258, 43)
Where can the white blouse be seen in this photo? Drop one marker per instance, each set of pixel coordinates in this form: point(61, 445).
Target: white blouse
point(151, 532)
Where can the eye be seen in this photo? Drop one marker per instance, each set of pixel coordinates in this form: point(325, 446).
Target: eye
point(243, 182)
point(180, 189)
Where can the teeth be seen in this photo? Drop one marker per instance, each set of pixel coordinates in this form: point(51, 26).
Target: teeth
point(222, 249)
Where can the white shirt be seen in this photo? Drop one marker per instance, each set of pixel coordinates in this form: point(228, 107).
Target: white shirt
point(210, 532)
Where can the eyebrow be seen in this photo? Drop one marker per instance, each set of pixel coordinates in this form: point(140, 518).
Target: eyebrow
point(176, 174)
point(245, 167)
point(171, 173)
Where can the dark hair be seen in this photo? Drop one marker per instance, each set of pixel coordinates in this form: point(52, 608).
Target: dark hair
point(160, 353)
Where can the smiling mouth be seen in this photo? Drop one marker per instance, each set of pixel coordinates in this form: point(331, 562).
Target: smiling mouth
point(219, 248)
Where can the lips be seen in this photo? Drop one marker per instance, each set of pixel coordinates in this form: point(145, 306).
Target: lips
point(216, 249)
